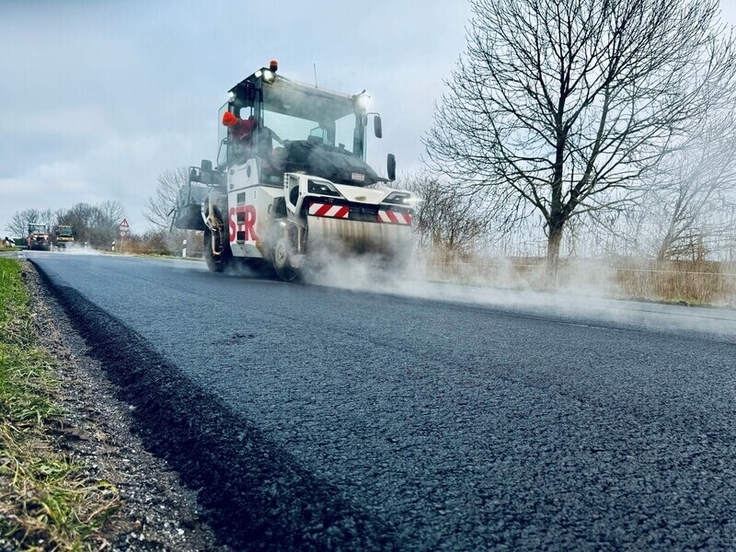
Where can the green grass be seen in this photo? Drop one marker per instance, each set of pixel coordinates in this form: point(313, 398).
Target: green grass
point(46, 500)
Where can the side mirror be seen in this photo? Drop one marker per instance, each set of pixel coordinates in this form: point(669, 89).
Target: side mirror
point(378, 126)
point(391, 166)
point(206, 165)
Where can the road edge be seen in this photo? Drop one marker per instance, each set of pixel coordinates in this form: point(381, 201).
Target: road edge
point(253, 494)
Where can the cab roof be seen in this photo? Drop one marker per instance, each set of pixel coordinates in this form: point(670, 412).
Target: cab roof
point(286, 96)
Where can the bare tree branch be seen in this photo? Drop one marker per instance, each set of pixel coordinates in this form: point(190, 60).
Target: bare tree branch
point(158, 208)
point(443, 220)
point(18, 225)
point(562, 106)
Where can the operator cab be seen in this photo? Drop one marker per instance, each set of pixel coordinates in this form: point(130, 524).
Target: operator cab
point(299, 128)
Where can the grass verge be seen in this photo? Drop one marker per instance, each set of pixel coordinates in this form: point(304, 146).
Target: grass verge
point(696, 283)
point(47, 501)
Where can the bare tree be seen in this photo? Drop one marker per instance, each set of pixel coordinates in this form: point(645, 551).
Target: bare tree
point(48, 217)
point(18, 225)
point(110, 212)
point(95, 224)
point(159, 211)
point(560, 106)
point(443, 219)
point(81, 217)
point(694, 189)
point(159, 208)
point(108, 216)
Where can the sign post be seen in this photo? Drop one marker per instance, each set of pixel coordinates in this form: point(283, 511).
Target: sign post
point(124, 231)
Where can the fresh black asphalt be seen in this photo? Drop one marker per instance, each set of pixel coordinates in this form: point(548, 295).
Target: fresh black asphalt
point(318, 418)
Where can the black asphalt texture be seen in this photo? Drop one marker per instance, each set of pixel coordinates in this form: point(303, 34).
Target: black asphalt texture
point(314, 418)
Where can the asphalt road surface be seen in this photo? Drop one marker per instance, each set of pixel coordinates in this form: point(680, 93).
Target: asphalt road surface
point(424, 417)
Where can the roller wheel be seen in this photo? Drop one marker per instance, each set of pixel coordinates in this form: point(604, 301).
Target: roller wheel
point(282, 260)
point(216, 263)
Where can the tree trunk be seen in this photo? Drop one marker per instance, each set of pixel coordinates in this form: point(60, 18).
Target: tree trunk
point(664, 249)
point(554, 242)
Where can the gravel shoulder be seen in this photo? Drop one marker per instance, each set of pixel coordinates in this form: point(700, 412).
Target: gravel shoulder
point(157, 511)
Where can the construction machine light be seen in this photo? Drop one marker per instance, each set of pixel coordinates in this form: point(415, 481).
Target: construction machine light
point(322, 188)
point(266, 75)
point(398, 198)
point(362, 101)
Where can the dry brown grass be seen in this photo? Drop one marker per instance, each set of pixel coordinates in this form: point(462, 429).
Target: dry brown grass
point(694, 283)
point(701, 282)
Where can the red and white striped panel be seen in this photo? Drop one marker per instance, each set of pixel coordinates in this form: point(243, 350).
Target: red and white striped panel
point(327, 210)
point(394, 217)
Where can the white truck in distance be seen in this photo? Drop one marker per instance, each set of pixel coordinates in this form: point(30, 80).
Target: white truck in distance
point(291, 181)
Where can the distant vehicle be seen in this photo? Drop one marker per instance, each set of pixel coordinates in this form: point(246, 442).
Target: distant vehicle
point(63, 236)
point(39, 237)
point(291, 179)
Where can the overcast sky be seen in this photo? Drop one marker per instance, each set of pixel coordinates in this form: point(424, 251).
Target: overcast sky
point(98, 97)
